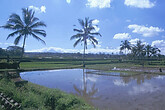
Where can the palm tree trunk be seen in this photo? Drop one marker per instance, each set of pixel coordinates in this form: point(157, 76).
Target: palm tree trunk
point(84, 55)
point(125, 52)
point(22, 50)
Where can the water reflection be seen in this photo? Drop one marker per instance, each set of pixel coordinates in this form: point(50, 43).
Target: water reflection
point(108, 91)
point(144, 88)
point(120, 82)
point(86, 92)
point(140, 79)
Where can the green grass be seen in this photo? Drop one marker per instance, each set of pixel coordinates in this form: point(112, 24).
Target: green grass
point(35, 97)
point(47, 65)
point(108, 67)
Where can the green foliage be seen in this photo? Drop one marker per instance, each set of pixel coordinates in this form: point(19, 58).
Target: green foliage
point(12, 65)
point(14, 51)
point(33, 97)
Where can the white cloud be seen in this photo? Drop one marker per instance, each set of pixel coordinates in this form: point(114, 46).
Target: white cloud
point(96, 28)
point(139, 3)
point(91, 50)
point(7, 44)
point(143, 88)
point(128, 20)
point(159, 44)
point(68, 1)
point(42, 9)
point(95, 22)
point(92, 78)
point(122, 36)
point(160, 77)
point(145, 31)
point(99, 3)
point(119, 82)
point(134, 41)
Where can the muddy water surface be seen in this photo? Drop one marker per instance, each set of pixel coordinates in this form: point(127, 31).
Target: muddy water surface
point(106, 92)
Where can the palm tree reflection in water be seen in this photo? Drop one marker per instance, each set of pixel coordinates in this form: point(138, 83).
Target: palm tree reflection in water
point(86, 93)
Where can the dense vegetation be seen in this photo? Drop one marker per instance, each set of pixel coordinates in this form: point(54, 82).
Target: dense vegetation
point(34, 97)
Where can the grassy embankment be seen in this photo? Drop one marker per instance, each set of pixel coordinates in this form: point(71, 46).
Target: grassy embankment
point(34, 97)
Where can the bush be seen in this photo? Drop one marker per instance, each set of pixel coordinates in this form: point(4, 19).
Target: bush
point(9, 65)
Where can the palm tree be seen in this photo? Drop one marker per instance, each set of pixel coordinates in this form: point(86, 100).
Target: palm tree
point(155, 51)
point(27, 26)
point(125, 45)
point(148, 49)
point(84, 92)
point(140, 48)
point(87, 32)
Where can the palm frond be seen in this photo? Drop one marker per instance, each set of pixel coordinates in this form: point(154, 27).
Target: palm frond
point(81, 22)
point(78, 41)
point(40, 32)
point(94, 45)
point(39, 39)
point(76, 36)
point(77, 30)
point(38, 24)
point(96, 33)
point(90, 21)
point(91, 28)
point(15, 19)
point(122, 48)
point(86, 22)
point(9, 26)
point(34, 19)
point(16, 41)
point(27, 15)
point(93, 39)
point(13, 34)
point(77, 90)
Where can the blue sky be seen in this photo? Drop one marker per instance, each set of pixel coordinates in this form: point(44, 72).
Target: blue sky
point(117, 19)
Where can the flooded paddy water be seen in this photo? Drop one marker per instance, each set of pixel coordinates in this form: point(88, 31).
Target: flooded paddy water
point(106, 91)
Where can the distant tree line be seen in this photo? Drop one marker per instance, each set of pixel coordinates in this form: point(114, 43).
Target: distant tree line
point(11, 51)
point(140, 50)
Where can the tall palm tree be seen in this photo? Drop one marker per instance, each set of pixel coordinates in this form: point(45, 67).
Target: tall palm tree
point(87, 32)
point(27, 26)
point(125, 45)
point(140, 49)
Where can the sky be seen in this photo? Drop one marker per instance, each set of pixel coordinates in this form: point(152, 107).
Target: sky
point(117, 20)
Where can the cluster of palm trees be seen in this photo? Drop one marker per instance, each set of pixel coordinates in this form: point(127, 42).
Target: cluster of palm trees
point(28, 26)
point(139, 50)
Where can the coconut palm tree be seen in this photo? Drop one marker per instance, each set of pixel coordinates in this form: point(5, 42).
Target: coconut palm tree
point(87, 32)
point(140, 49)
point(125, 45)
point(27, 26)
point(148, 50)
